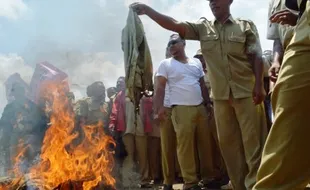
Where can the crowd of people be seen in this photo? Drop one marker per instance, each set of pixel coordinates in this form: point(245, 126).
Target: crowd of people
point(232, 51)
point(208, 123)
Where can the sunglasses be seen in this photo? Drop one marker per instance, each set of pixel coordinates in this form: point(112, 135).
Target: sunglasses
point(173, 42)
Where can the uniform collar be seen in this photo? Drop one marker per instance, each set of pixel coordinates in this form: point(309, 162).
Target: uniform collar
point(230, 19)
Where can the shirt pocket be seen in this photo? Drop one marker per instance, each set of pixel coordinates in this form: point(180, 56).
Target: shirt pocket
point(209, 42)
point(236, 43)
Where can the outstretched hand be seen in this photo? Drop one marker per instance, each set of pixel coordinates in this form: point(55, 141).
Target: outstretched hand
point(139, 8)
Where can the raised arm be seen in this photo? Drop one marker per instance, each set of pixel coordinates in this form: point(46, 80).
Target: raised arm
point(161, 19)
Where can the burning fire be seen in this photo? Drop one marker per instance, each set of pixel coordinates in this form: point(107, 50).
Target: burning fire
point(70, 153)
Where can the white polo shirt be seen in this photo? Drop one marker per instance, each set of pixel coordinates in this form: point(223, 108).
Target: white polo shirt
point(183, 81)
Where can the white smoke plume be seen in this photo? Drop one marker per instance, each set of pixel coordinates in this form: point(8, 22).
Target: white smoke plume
point(10, 64)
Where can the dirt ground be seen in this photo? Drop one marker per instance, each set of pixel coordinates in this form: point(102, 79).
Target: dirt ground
point(179, 187)
point(175, 187)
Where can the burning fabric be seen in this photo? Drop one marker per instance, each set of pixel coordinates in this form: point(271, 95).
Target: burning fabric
point(138, 61)
point(64, 163)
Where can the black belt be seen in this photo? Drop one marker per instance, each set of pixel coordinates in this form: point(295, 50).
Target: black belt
point(186, 105)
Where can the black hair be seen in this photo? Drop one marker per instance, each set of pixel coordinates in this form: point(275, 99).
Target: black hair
point(179, 37)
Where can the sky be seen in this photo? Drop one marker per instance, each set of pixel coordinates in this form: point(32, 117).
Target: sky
point(83, 37)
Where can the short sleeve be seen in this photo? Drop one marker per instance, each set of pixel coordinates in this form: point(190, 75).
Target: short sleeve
point(162, 70)
point(272, 28)
point(202, 74)
point(253, 45)
point(191, 30)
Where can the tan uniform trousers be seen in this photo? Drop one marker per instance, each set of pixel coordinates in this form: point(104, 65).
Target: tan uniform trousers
point(189, 121)
point(216, 162)
point(286, 157)
point(154, 153)
point(242, 131)
point(170, 164)
point(136, 147)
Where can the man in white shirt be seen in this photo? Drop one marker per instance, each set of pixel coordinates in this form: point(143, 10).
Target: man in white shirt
point(170, 164)
point(189, 98)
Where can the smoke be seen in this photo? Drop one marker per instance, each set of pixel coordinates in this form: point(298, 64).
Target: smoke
point(10, 64)
point(12, 9)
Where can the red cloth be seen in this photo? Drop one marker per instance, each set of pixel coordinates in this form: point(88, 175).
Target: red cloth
point(147, 114)
point(117, 117)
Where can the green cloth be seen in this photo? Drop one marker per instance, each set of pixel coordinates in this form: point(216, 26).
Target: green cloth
point(137, 58)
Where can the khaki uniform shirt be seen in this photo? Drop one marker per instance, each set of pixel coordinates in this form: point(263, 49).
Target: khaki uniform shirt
point(277, 31)
point(225, 47)
point(92, 112)
point(300, 43)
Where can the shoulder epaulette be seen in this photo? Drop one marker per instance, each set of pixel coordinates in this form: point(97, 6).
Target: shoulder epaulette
point(246, 20)
point(83, 100)
point(202, 19)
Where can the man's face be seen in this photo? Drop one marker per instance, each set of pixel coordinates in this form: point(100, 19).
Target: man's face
point(111, 92)
point(219, 7)
point(121, 85)
point(97, 91)
point(176, 45)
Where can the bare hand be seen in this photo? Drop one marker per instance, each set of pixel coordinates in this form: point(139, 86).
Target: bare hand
point(139, 8)
point(259, 93)
point(161, 113)
point(284, 17)
point(274, 71)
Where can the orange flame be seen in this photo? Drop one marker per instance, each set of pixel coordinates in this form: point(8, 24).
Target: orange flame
point(17, 159)
point(72, 153)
